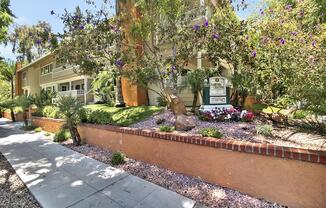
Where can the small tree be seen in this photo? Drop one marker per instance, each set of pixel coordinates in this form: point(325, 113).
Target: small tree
point(71, 109)
point(196, 79)
point(7, 74)
point(24, 102)
point(103, 86)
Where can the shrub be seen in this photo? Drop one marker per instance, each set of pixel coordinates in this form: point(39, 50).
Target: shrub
point(211, 132)
point(160, 121)
point(38, 129)
point(47, 134)
point(99, 117)
point(165, 128)
point(51, 111)
point(62, 135)
point(29, 127)
point(265, 130)
point(118, 158)
point(300, 114)
point(161, 102)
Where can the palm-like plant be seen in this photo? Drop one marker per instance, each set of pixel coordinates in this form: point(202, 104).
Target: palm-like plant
point(196, 79)
point(24, 102)
point(7, 73)
point(103, 86)
point(71, 109)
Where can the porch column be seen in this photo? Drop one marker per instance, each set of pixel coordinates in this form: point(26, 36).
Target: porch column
point(70, 86)
point(199, 63)
point(85, 90)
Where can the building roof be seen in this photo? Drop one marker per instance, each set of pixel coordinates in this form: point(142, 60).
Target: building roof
point(35, 61)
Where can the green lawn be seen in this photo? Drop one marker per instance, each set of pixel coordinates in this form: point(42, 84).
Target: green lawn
point(128, 115)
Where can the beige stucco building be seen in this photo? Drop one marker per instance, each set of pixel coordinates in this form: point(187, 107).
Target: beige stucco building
point(45, 73)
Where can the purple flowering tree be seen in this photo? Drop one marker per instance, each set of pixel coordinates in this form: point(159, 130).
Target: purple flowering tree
point(30, 41)
point(288, 56)
point(92, 42)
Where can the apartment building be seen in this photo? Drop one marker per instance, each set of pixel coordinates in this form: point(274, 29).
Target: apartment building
point(45, 73)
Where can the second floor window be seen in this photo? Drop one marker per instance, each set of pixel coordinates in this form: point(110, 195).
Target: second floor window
point(47, 69)
point(24, 75)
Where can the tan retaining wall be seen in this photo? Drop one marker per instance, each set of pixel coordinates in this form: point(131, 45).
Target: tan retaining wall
point(18, 116)
point(47, 124)
point(275, 173)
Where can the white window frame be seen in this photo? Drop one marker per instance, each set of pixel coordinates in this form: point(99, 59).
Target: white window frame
point(47, 69)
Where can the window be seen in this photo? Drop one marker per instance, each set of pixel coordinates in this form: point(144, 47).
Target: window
point(24, 75)
point(64, 88)
point(46, 69)
point(77, 87)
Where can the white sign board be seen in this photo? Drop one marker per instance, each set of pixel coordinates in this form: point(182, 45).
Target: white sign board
point(217, 100)
point(217, 86)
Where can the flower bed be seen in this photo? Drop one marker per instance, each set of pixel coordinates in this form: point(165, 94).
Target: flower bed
point(243, 131)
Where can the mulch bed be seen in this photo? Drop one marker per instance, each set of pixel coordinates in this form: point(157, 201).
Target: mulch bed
point(203, 192)
point(246, 131)
point(13, 192)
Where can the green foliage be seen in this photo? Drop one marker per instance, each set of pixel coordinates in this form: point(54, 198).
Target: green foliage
point(125, 116)
point(24, 102)
point(118, 158)
point(38, 129)
point(196, 79)
point(161, 102)
point(210, 132)
point(71, 110)
point(99, 117)
point(44, 98)
point(265, 130)
point(51, 111)
point(62, 135)
point(300, 114)
point(103, 86)
point(28, 127)
point(27, 39)
point(6, 19)
point(165, 128)
point(47, 134)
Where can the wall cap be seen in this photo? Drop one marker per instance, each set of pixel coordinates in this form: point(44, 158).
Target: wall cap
point(271, 150)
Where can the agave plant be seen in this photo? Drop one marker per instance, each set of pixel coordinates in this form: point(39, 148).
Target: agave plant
point(71, 110)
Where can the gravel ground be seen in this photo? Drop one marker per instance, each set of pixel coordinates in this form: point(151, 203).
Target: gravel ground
point(290, 137)
point(194, 188)
point(13, 192)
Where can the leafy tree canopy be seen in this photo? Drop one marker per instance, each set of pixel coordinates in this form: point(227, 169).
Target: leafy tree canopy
point(6, 18)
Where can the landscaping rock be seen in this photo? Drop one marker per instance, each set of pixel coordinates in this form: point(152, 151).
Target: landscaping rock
point(184, 123)
point(177, 105)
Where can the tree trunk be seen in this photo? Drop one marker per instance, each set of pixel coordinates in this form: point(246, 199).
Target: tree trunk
point(12, 98)
point(25, 118)
point(75, 136)
point(194, 102)
point(119, 102)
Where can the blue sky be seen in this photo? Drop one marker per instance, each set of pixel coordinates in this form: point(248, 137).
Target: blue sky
point(31, 11)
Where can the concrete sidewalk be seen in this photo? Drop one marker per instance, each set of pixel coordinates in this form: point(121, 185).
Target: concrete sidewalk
point(60, 177)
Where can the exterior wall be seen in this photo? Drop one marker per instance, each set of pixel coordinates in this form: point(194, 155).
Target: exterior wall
point(50, 125)
point(18, 116)
point(133, 95)
point(264, 174)
point(33, 81)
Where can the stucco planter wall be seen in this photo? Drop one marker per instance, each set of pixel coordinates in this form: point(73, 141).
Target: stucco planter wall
point(290, 176)
point(48, 124)
point(275, 173)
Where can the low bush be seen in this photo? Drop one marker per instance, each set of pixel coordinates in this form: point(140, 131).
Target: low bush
point(38, 129)
point(51, 112)
point(47, 134)
point(211, 132)
point(161, 102)
point(62, 135)
point(300, 114)
point(165, 128)
point(265, 130)
point(160, 121)
point(118, 158)
point(99, 117)
point(28, 128)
